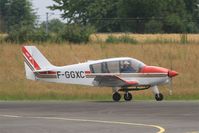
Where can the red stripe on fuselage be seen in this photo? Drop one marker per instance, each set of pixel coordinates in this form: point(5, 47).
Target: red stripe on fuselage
point(48, 72)
point(30, 58)
point(87, 72)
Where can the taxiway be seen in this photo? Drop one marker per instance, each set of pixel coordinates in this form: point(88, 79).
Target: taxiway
point(99, 117)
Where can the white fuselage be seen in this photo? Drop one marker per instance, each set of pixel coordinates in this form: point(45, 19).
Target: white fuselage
point(76, 74)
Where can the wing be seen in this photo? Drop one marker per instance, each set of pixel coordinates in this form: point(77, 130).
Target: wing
point(112, 81)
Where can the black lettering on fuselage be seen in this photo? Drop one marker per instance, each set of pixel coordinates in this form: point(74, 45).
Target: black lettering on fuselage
point(82, 74)
point(67, 74)
point(74, 74)
point(77, 74)
point(58, 74)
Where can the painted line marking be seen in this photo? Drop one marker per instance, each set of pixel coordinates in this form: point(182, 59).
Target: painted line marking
point(10, 116)
point(161, 129)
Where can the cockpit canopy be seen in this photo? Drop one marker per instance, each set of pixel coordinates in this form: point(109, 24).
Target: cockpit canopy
point(117, 66)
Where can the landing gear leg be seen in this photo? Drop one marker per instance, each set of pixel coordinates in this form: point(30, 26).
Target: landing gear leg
point(158, 96)
point(127, 96)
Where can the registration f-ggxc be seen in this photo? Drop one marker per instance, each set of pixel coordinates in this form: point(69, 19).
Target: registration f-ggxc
point(122, 74)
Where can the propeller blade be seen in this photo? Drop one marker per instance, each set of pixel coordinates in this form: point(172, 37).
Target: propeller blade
point(170, 79)
point(170, 86)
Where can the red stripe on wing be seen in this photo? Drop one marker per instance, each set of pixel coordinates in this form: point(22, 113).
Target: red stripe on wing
point(131, 82)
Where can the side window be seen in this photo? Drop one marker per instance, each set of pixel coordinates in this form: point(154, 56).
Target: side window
point(104, 67)
point(113, 66)
point(96, 68)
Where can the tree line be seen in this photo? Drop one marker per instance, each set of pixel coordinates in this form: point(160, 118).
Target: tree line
point(19, 20)
point(138, 16)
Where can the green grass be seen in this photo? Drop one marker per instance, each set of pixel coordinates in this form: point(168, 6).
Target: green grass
point(53, 96)
point(121, 39)
point(160, 41)
point(96, 97)
point(183, 40)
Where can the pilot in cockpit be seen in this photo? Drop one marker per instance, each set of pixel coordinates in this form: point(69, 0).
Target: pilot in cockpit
point(127, 68)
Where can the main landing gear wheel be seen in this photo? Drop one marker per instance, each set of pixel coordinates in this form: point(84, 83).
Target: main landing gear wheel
point(127, 96)
point(116, 96)
point(159, 97)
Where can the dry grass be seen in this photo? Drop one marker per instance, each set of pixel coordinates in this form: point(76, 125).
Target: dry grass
point(145, 38)
point(2, 37)
point(182, 58)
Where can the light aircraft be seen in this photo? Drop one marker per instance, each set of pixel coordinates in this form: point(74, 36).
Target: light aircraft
point(122, 74)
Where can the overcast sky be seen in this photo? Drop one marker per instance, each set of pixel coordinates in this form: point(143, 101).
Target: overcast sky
point(40, 6)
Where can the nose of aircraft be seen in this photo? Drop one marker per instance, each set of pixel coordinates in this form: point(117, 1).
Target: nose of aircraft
point(154, 69)
point(172, 73)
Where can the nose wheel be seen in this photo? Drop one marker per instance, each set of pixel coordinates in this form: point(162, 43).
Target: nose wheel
point(127, 96)
point(159, 97)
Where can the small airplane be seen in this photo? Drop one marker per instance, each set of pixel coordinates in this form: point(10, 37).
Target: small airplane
point(122, 74)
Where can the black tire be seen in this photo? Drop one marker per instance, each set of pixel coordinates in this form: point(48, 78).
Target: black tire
point(116, 96)
point(128, 96)
point(159, 97)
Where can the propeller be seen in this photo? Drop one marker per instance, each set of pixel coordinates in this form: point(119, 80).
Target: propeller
point(170, 86)
point(171, 74)
point(170, 78)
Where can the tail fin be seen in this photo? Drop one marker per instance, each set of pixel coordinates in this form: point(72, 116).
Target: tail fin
point(34, 61)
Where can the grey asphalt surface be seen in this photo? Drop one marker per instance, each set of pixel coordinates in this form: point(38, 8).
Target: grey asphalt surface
point(99, 117)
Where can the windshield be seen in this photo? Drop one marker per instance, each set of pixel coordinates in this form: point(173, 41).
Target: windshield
point(137, 64)
point(131, 66)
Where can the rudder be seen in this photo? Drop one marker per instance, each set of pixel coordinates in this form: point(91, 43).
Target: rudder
point(34, 60)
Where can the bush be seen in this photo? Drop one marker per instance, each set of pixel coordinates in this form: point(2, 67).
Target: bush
point(192, 27)
point(71, 33)
point(76, 33)
point(112, 39)
point(27, 33)
point(174, 24)
point(153, 26)
point(121, 39)
point(40, 35)
point(20, 34)
point(54, 25)
point(183, 39)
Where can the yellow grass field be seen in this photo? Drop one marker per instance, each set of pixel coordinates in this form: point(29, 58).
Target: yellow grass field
point(182, 58)
point(2, 36)
point(143, 38)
